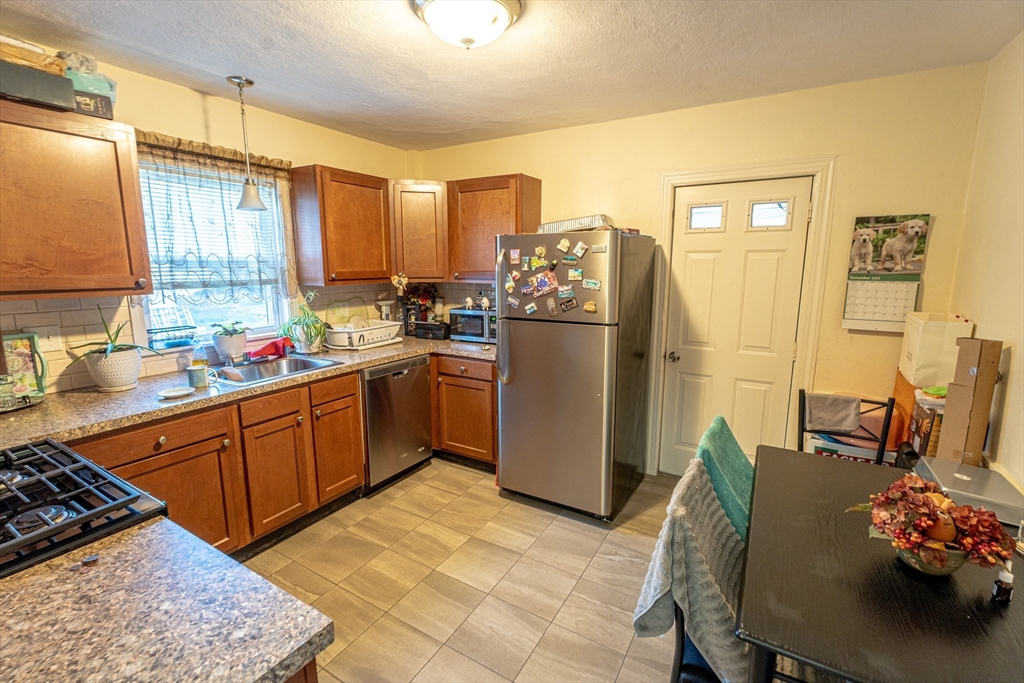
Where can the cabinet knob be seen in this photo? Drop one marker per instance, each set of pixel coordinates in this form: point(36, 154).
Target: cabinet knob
point(299, 419)
point(333, 277)
point(455, 276)
point(438, 380)
point(226, 442)
point(141, 282)
point(319, 413)
point(462, 369)
point(162, 440)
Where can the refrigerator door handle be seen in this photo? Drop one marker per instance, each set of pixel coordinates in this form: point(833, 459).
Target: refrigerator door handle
point(503, 351)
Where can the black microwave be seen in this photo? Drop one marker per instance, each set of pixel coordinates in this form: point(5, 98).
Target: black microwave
point(473, 325)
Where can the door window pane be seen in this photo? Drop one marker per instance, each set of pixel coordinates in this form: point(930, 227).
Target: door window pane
point(706, 217)
point(769, 214)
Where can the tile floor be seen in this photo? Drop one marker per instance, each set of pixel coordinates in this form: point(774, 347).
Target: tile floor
point(441, 578)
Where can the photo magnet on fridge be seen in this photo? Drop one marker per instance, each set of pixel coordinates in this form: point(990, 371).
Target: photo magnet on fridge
point(526, 264)
point(569, 260)
point(594, 285)
point(512, 301)
point(536, 262)
point(590, 307)
point(527, 290)
point(575, 273)
point(565, 292)
point(531, 308)
point(552, 308)
point(544, 283)
point(509, 284)
point(563, 246)
point(540, 251)
point(567, 306)
point(580, 249)
point(513, 256)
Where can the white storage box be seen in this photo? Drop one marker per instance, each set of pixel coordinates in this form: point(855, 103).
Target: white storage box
point(348, 337)
point(928, 356)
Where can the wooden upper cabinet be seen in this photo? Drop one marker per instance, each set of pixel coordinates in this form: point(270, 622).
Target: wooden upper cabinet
point(70, 211)
point(479, 210)
point(420, 228)
point(342, 224)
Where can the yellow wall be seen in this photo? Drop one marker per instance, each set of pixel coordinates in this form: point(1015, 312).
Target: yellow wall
point(989, 283)
point(904, 146)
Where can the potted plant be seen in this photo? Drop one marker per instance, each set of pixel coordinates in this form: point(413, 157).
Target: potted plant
point(306, 329)
point(229, 339)
point(112, 365)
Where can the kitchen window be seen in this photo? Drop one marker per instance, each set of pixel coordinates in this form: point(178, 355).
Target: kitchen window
point(210, 262)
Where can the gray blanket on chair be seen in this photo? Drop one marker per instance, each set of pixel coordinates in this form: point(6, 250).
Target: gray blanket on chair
point(697, 562)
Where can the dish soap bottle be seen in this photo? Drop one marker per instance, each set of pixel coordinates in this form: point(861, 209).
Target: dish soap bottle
point(1003, 588)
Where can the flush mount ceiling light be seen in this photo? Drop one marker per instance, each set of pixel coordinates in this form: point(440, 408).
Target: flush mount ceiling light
point(250, 193)
point(468, 23)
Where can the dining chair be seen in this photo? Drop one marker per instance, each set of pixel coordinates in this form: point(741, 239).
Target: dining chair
point(861, 434)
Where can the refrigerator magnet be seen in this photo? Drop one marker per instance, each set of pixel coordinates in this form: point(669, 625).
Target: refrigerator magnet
point(580, 249)
point(513, 256)
point(569, 260)
point(594, 285)
point(565, 292)
point(510, 284)
point(527, 290)
point(552, 308)
point(590, 307)
point(544, 283)
point(531, 308)
point(512, 301)
point(540, 251)
point(515, 274)
point(575, 274)
point(526, 264)
point(567, 306)
point(563, 246)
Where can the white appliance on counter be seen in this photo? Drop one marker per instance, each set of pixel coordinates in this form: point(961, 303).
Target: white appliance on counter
point(573, 365)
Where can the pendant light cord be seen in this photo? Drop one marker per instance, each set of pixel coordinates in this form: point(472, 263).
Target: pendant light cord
point(245, 132)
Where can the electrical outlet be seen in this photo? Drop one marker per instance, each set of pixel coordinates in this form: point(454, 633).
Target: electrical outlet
point(49, 338)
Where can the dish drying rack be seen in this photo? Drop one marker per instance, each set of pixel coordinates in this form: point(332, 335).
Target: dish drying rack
point(377, 333)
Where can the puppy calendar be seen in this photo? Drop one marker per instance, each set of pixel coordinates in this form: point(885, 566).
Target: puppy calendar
point(886, 261)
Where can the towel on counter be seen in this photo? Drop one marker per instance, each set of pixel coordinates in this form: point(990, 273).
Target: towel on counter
point(831, 412)
point(697, 563)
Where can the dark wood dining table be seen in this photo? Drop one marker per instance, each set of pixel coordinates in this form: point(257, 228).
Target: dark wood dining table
point(817, 589)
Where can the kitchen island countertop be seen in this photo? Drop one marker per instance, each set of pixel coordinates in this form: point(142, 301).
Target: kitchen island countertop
point(72, 415)
point(159, 605)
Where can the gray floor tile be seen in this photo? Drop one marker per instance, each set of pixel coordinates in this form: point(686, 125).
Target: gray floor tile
point(430, 543)
point(385, 579)
point(479, 563)
point(512, 531)
point(499, 635)
point(323, 676)
point(562, 655)
point(267, 562)
point(394, 490)
point(354, 511)
point(301, 582)
point(340, 555)
point(424, 500)
point(438, 605)
point(390, 651)
point(656, 653)
point(307, 539)
point(520, 506)
point(460, 522)
point(387, 525)
point(536, 587)
point(619, 568)
point(600, 614)
point(633, 671)
point(455, 479)
point(449, 666)
point(565, 548)
point(351, 616)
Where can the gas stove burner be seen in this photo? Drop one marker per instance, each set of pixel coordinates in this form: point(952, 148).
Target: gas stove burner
point(10, 476)
point(28, 521)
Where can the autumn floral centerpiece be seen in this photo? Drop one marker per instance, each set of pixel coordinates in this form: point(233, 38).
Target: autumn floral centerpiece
point(933, 534)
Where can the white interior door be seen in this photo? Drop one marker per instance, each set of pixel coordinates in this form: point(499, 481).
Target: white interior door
point(737, 266)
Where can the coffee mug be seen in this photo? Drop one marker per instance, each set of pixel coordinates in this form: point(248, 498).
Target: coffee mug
point(201, 377)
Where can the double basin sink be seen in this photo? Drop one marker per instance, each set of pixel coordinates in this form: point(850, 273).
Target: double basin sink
point(266, 371)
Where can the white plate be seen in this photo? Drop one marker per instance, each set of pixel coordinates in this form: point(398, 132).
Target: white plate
point(358, 322)
point(176, 392)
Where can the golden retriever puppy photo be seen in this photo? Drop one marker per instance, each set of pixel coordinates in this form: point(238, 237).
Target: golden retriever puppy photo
point(901, 247)
point(863, 249)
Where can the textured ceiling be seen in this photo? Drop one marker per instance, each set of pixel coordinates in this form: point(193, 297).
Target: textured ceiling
point(373, 69)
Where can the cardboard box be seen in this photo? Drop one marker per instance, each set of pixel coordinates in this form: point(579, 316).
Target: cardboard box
point(903, 392)
point(969, 401)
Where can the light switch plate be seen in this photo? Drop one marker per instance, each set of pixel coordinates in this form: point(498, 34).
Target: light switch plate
point(49, 337)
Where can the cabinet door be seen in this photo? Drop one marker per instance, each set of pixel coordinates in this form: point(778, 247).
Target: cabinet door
point(339, 447)
point(202, 486)
point(277, 470)
point(479, 210)
point(466, 418)
point(356, 225)
point(70, 188)
point(421, 232)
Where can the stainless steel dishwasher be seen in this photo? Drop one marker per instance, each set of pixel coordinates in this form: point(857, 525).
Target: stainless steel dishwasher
point(398, 422)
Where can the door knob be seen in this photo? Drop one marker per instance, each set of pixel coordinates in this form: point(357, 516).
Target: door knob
point(673, 356)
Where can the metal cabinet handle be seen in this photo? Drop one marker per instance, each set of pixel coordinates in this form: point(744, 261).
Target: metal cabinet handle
point(673, 356)
point(162, 440)
point(319, 413)
point(141, 282)
point(299, 419)
point(226, 442)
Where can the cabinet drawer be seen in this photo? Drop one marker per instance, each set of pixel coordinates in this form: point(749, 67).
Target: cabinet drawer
point(463, 367)
point(128, 447)
point(333, 389)
point(268, 407)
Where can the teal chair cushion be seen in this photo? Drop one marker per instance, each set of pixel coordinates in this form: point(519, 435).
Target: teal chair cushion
point(731, 473)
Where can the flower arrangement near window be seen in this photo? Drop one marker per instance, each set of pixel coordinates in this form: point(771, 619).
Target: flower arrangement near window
point(424, 294)
point(931, 532)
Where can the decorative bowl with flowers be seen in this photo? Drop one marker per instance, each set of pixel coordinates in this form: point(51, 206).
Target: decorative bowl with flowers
point(933, 534)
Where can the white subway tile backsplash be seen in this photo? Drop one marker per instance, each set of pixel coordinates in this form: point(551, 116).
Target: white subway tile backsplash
point(12, 307)
point(23, 320)
point(161, 366)
point(82, 380)
point(101, 301)
point(89, 316)
point(44, 305)
point(62, 383)
point(7, 323)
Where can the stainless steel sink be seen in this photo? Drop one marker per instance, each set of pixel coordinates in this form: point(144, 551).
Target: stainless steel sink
point(266, 371)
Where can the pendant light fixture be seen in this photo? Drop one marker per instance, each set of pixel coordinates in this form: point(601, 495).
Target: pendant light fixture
point(468, 23)
point(250, 192)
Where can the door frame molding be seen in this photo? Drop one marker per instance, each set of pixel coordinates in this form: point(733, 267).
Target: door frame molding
point(823, 170)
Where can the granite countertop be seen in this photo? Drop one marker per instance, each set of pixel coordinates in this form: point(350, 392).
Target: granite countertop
point(74, 415)
point(160, 605)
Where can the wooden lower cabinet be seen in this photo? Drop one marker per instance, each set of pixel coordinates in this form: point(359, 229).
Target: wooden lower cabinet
point(339, 447)
point(203, 488)
point(466, 412)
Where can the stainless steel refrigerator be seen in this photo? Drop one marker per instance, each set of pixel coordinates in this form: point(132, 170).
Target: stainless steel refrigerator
point(573, 365)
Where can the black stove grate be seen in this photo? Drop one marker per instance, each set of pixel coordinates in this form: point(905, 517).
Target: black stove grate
point(46, 489)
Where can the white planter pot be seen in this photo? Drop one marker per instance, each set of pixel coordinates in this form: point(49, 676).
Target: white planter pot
point(231, 346)
point(117, 372)
point(299, 337)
